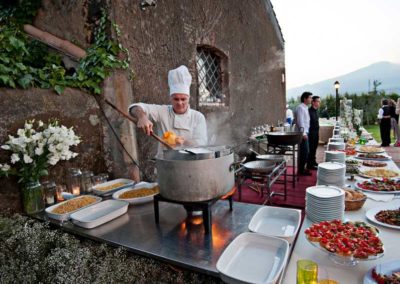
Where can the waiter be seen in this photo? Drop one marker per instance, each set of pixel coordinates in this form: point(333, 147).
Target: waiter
point(188, 124)
point(313, 136)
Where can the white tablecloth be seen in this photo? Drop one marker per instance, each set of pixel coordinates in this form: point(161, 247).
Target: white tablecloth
point(343, 274)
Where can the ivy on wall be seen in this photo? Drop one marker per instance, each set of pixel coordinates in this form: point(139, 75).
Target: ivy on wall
point(26, 63)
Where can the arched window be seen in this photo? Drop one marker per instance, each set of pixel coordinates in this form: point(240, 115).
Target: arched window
point(212, 83)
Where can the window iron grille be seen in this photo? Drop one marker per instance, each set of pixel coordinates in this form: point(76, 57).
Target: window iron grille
point(209, 78)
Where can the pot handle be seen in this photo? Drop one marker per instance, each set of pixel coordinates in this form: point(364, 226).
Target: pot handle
point(235, 164)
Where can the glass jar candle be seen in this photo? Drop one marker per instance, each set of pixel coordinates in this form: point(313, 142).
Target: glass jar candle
point(49, 188)
point(74, 177)
point(86, 185)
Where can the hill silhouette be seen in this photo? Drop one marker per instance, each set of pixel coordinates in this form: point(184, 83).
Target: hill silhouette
point(358, 81)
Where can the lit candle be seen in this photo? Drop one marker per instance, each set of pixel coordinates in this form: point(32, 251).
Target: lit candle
point(76, 190)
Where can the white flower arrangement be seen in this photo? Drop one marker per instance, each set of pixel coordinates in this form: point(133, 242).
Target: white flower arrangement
point(35, 149)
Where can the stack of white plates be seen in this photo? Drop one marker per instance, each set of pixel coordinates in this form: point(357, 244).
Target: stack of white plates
point(331, 173)
point(324, 203)
point(336, 131)
point(336, 136)
point(335, 156)
point(336, 146)
point(336, 139)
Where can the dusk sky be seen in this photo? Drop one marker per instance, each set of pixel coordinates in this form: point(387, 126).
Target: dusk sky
point(326, 38)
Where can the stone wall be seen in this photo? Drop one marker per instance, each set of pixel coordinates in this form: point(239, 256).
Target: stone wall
point(158, 39)
point(99, 150)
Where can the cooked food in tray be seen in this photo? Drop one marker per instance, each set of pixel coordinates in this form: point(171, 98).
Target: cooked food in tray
point(373, 157)
point(391, 217)
point(370, 149)
point(349, 239)
point(374, 164)
point(74, 204)
point(384, 184)
point(141, 192)
point(110, 186)
point(384, 173)
point(352, 162)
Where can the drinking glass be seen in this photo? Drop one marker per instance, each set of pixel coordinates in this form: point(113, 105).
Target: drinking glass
point(307, 272)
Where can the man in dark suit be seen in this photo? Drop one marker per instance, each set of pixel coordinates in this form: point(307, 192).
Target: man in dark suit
point(313, 137)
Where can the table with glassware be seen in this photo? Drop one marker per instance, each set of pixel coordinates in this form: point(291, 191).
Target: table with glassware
point(352, 272)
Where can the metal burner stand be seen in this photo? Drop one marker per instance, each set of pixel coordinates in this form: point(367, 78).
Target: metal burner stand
point(204, 206)
point(264, 180)
point(292, 150)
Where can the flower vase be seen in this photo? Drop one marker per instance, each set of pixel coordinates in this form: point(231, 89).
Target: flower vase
point(32, 198)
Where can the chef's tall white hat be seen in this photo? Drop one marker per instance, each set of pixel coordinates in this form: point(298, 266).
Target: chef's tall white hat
point(179, 81)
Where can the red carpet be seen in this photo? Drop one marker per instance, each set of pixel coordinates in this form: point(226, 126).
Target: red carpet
point(295, 196)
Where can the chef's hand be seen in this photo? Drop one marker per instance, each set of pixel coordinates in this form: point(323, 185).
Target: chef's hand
point(145, 124)
point(179, 140)
point(305, 137)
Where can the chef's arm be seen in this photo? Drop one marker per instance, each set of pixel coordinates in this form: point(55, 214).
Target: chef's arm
point(143, 122)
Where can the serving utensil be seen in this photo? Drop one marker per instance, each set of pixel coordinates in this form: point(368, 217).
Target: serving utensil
point(123, 113)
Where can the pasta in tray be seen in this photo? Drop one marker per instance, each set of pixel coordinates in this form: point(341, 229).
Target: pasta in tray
point(74, 204)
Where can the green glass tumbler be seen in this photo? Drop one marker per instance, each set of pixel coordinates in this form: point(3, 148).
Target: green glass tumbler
point(307, 272)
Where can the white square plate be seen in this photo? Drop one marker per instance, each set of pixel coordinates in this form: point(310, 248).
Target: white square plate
point(253, 258)
point(277, 222)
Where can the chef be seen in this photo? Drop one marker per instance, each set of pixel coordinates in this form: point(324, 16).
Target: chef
point(188, 124)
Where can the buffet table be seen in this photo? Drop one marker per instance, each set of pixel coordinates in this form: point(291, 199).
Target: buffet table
point(345, 274)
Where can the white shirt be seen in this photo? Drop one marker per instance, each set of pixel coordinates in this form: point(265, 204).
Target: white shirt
point(380, 113)
point(191, 125)
point(302, 118)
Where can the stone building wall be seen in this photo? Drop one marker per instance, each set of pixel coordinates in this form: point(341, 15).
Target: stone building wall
point(158, 39)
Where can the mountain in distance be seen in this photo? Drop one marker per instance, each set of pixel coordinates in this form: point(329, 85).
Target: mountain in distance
point(359, 81)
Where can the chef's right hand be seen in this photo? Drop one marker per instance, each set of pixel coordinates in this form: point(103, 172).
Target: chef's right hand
point(305, 137)
point(146, 125)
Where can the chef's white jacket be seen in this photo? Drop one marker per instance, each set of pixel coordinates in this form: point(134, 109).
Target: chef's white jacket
point(191, 125)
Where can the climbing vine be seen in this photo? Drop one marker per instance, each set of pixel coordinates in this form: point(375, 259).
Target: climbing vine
point(26, 63)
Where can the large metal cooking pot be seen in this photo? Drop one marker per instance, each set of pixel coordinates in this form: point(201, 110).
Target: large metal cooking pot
point(262, 167)
point(195, 180)
point(285, 138)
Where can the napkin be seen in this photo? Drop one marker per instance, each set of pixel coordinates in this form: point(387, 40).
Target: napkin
point(379, 197)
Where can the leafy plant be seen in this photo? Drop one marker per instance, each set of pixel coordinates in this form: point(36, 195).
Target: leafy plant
point(28, 63)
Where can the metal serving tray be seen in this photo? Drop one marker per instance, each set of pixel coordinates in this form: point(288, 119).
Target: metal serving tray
point(66, 216)
point(99, 213)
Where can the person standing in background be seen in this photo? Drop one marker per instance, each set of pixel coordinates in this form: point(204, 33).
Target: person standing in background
point(302, 120)
point(313, 136)
point(394, 119)
point(289, 115)
point(385, 123)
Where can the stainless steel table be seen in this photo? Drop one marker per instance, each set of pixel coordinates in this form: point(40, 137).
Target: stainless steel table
point(174, 240)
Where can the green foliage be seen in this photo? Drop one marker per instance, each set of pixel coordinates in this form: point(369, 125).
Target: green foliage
point(369, 103)
point(27, 63)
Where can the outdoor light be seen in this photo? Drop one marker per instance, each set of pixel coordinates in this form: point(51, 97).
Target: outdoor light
point(283, 78)
point(337, 86)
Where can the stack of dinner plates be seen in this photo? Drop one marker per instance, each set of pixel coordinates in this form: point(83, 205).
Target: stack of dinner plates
point(331, 173)
point(335, 156)
point(336, 146)
point(336, 139)
point(336, 136)
point(324, 203)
